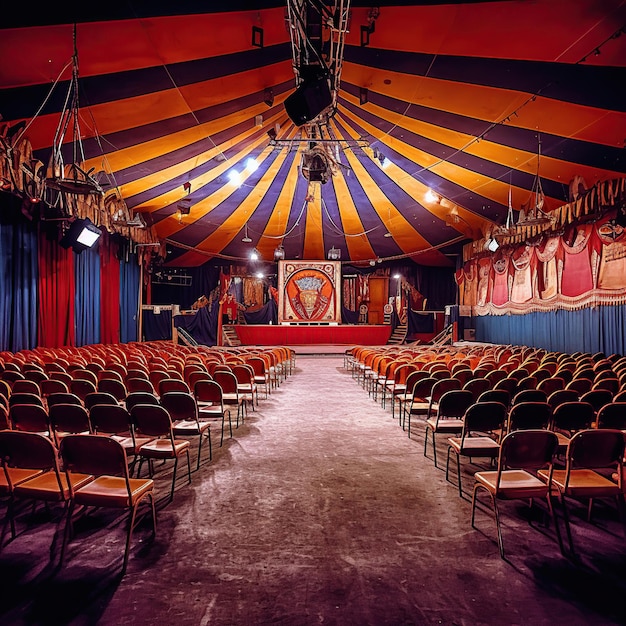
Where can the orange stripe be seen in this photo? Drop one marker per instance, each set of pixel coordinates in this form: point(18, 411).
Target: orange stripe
point(542, 30)
point(492, 104)
point(125, 45)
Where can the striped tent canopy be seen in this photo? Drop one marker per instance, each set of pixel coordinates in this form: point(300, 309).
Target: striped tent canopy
point(446, 115)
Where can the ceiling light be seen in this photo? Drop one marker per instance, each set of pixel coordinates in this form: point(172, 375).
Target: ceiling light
point(260, 275)
point(254, 255)
point(396, 276)
point(245, 237)
point(387, 234)
point(252, 165)
point(492, 245)
point(235, 177)
point(431, 196)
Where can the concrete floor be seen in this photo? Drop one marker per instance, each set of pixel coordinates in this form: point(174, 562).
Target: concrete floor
point(320, 510)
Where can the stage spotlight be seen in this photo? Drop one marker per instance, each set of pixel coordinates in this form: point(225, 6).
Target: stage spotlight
point(279, 253)
point(254, 255)
point(334, 254)
point(81, 234)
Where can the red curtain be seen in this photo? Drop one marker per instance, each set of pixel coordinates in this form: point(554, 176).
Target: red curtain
point(109, 291)
point(55, 324)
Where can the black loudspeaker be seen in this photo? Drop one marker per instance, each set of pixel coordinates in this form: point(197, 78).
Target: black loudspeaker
point(308, 101)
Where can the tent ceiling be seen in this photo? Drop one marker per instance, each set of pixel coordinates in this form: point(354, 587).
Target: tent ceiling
point(458, 98)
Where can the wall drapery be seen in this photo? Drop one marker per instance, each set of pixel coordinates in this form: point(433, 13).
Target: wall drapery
point(583, 267)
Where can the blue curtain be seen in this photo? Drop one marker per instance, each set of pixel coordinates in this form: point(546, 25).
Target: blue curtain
point(129, 298)
point(202, 326)
point(419, 322)
point(599, 329)
point(157, 326)
point(18, 286)
point(267, 314)
point(348, 316)
point(87, 297)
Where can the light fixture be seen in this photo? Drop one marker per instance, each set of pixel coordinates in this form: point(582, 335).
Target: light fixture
point(279, 253)
point(81, 234)
point(260, 275)
point(431, 196)
point(235, 177)
point(397, 276)
point(245, 237)
point(254, 255)
point(268, 97)
point(492, 245)
point(252, 164)
point(382, 158)
point(334, 254)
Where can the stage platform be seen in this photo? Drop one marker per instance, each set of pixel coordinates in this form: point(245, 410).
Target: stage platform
point(340, 336)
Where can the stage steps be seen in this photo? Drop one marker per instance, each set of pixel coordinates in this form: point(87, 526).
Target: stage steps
point(398, 335)
point(230, 336)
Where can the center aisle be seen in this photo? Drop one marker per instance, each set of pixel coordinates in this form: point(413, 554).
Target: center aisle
point(321, 510)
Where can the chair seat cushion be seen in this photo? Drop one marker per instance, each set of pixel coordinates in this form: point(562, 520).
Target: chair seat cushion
point(475, 446)
point(111, 491)
point(514, 484)
point(585, 483)
point(162, 448)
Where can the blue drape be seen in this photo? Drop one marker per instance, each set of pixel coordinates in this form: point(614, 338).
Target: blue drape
point(267, 314)
point(87, 297)
point(202, 326)
point(600, 329)
point(420, 322)
point(157, 327)
point(348, 316)
point(18, 286)
point(129, 299)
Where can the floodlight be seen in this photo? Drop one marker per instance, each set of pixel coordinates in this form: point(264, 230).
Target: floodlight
point(81, 234)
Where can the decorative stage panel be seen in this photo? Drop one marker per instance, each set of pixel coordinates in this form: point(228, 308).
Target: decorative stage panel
point(302, 334)
point(309, 291)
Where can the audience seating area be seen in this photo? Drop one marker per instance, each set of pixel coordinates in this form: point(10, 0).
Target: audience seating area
point(153, 401)
point(451, 393)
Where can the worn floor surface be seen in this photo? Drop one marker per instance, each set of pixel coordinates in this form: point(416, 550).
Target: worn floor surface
point(320, 510)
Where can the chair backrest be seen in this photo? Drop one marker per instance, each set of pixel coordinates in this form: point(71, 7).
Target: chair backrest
point(28, 450)
point(527, 449)
point(550, 385)
point(611, 384)
point(443, 386)
point(81, 387)
point(99, 397)
point(573, 416)
point(85, 374)
point(180, 405)
point(94, 455)
point(29, 418)
point(51, 385)
point(477, 386)
point(172, 384)
point(560, 396)
point(63, 398)
point(25, 398)
point(226, 380)
point(26, 386)
point(594, 448)
point(208, 391)
point(140, 397)
point(495, 395)
point(152, 420)
point(510, 384)
point(597, 398)
point(612, 415)
point(139, 384)
point(454, 403)
point(114, 387)
point(484, 417)
point(530, 395)
point(110, 419)
point(529, 416)
point(68, 418)
point(196, 376)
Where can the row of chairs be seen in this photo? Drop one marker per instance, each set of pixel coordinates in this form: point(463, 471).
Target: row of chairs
point(85, 472)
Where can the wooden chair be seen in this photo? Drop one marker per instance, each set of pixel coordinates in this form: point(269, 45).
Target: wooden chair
point(104, 460)
point(522, 454)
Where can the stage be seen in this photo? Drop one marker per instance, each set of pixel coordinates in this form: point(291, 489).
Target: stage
point(305, 334)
